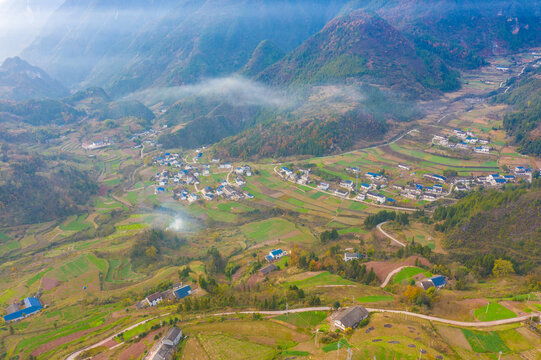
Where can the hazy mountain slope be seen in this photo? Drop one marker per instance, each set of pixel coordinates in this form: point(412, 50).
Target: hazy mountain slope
point(483, 26)
point(361, 45)
point(168, 42)
point(21, 23)
point(22, 81)
point(265, 54)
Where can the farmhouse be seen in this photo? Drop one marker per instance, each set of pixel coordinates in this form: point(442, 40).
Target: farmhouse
point(360, 196)
point(437, 281)
point(435, 177)
point(154, 299)
point(182, 291)
point(352, 256)
point(404, 167)
point(16, 312)
point(275, 254)
point(375, 196)
point(167, 344)
point(341, 193)
point(366, 186)
point(373, 176)
point(348, 184)
point(323, 186)
point(350, 317)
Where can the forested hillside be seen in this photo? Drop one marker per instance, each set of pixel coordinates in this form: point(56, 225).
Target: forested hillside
point(524, 121)
point(40, 189)
point(502, 223)
point(363, 46)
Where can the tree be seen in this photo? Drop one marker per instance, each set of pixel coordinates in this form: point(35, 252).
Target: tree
point(151, 252)
point(336, 305)
point(502, 268)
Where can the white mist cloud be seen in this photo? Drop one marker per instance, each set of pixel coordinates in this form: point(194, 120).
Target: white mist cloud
point(234, 90)
point(177, 225)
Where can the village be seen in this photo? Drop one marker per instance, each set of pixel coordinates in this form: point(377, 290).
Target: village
point(463, 140)
point(429, 187)
point(185, 178)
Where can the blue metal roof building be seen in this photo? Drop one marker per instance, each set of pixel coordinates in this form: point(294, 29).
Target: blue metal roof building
point(183, 292)
point(32, 305)
point(438, 281)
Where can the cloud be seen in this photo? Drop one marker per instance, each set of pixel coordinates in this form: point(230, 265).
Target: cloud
point(234, 90)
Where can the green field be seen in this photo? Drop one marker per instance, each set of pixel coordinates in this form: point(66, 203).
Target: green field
point(485, 341)
point(409, 272)
point(375, 298)
point(77, 224)
point(317, 195)
point(493, 311)
point(3, 236)
point(304, 319)
point(324, 278)
point(267, 229)
point(343, 343)
point(355, 206)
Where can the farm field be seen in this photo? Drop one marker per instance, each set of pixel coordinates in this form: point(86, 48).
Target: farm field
point(493, 311)
point(408, 273)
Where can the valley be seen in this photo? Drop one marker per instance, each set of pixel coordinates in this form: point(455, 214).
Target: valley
point(157, 217)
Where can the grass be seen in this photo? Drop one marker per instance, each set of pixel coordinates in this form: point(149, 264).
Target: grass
point(375, 298)
point(304, 319)
point(514, 340)
point(334, 346)
point(3, 236)
point(37, 277)
point(408, 273)
point(220, 346)
point(317, 195)
point(355, 206)
point(485, 341)
point(295, 202)
point(77, 224)
point(495, 311)
point(324, 278)
point(267, 229)
point(351, 230)
point(295, 353)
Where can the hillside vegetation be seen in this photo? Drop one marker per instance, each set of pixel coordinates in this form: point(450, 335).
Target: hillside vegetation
point(523, 123)
point(502, 223)
point(37, 190)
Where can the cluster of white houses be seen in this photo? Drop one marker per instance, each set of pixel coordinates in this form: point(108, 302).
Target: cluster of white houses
point(468, 141)
point(189, 174)
point(302, 176)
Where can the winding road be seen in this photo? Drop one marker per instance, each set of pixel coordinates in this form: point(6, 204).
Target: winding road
point(391, 274)
point(328, 308)
point(388, 235)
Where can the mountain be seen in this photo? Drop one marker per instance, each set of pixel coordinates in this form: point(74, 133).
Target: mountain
point(40, 112)
point(509, 218)
point(129, 45)
point(484, 27)
point(523, 123)
point(361, 45)
point(265, 54)
point(98, 104)
point(21, 81)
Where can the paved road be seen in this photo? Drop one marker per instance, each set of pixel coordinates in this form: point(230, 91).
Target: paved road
point(327, 308)
point(459, 323)
point(77, 353)
point(391, 274)
point(390, 236)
